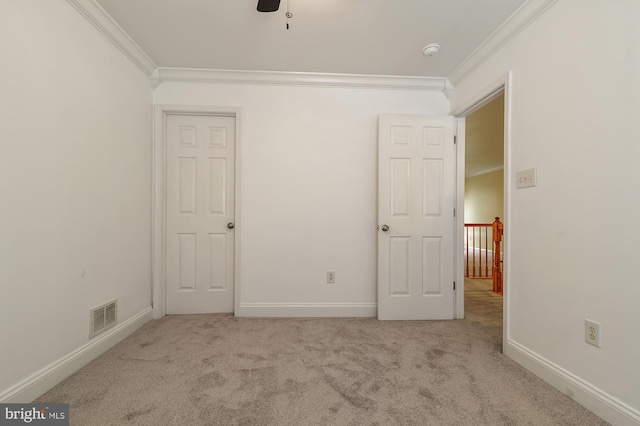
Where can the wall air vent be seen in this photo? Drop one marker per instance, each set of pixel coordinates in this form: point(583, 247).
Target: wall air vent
point(103, 317)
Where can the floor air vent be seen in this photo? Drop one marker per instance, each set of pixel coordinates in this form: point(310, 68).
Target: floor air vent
point(103, 317)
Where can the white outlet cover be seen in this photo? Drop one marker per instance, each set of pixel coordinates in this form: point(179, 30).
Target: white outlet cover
point(331, 277)
point(592, 332)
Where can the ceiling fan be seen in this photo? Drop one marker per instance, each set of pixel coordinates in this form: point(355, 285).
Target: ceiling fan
point(274, 5)
point(268, 5)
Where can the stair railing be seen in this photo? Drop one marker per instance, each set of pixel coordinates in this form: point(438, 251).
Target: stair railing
point(482, 252)
point(498, 230)
point(478, 250)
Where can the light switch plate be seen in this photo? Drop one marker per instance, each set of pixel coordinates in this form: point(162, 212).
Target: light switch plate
point(526, 178)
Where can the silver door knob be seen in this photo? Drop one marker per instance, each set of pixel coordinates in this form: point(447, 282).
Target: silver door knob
point(384, 228)
point(231, 225)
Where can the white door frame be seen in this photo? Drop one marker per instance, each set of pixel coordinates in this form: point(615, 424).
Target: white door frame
point(158, 220)
point(480, 99)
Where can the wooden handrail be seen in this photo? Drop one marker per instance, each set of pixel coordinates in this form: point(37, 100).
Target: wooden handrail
point(498, 230)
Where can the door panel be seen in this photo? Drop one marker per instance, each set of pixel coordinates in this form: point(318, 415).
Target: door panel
point(399, 266)
point(416, 195)
point(399, 186)
point(200, 164)
point(218, 261)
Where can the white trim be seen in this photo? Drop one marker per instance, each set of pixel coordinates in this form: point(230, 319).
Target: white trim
point(484, 172)
point(459, 219)
point(104, 23)
point(483, 97)
point(506, 221)
point(594, 399)
point(518, 21)
point(308, 310)
point(158, 191)
point(159, 198)
point(198, 75)
point(45, 379)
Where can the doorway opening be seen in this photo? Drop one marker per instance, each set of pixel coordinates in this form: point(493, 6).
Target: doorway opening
point(483, 176)
point(483, 213)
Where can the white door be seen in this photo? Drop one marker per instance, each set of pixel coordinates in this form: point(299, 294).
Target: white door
point(200, 165)
point(416, 196)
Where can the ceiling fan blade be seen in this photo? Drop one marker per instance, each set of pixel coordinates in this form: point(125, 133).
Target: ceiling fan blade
point(268, 5)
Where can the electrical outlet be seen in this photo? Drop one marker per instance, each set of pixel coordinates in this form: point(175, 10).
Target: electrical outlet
point(592, 332)
point(331, 277)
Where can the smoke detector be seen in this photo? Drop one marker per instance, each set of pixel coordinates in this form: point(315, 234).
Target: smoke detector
point(431, 49)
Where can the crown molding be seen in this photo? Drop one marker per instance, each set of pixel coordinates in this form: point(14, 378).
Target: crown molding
point(485, 171)
point(104, 23)
point(197, 75)
point(518, 21)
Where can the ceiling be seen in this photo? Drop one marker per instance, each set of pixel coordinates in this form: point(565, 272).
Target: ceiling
point(379, 37)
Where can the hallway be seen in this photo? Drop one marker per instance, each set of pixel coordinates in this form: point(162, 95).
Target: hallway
point(484, 307)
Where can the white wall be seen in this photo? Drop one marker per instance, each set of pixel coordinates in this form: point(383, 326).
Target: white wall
point(575, 109)
point(75, 135)
point(308, 195)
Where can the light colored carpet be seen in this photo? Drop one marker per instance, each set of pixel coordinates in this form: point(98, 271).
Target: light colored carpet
point(222, 370)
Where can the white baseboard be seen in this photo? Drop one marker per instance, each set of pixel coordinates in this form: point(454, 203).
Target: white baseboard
point(585, 394)
point(308, 310)
point(40, 382)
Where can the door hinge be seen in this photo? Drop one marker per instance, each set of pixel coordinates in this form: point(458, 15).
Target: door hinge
point(454, 212)
point(455, 139)
point(454, 286)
